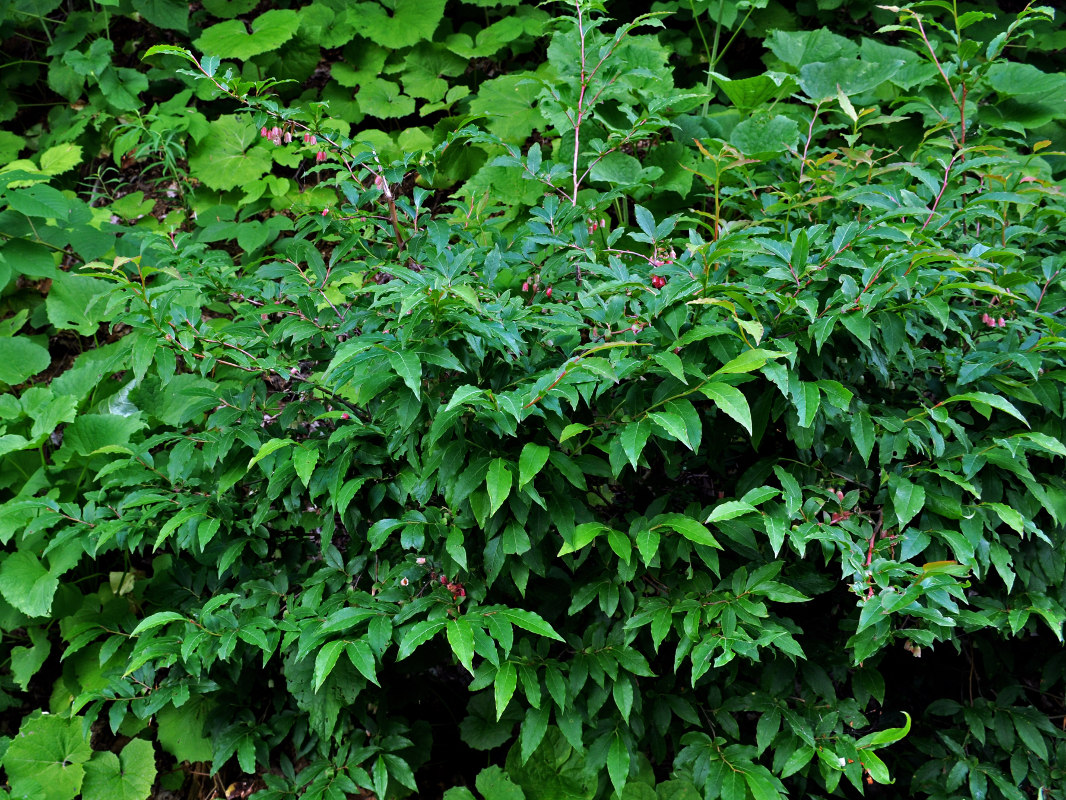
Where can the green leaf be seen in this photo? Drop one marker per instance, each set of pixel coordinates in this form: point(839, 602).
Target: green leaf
point(534, 726)
point(362, 658)
point(61, 158)
point(634, 435)
point(325, 660)
point(48, 753)
point(862, 433)
point(408, 367)
point(21, 359)
point(503, 687)
point(673, 425)
point(127, 776)
point(571, 430)
point(494, 784)
point(885, 737)
point(765, 136)
point(691, 529)
point(618, 760)
point(232, 39)
point(271, 446)
point(397, 23)
point(180, 731)
point(907, 499)
point(1030, 735)
point(731, 509)
point(497, 484)
point(417, 634)
point(304, 460)
point(157, 620)
point(761, 785)
point(461, 639)
point(1010, 516)
point(748, 361)
point(582, 536)
point(26, 584)
point(531, 461)
point(229, 155)
point(730, 400)
point(530, 621)
point(27, 661)
point(807, 400)
point(980, 399)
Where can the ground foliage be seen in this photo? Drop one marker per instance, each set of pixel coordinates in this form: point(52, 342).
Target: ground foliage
point(518, 401)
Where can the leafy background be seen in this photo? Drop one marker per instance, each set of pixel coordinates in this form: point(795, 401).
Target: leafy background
point(707, 461)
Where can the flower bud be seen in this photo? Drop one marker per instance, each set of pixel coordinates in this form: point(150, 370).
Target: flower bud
point(1002, 322)
point(264, 132)
point(288, 136)
point(549, 292)
point(325, 212)
point(320, 156)
point(345, 415)
point(525, 286)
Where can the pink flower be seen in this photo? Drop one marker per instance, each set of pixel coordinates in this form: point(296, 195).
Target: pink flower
point(1002, 322)
point(288, 136)
point(320, 156)
point(549, 292)
point(525, 286)
point(404, 581)
point(264, 132)
point(312, 139)
point(325, 212)
point(420, 561)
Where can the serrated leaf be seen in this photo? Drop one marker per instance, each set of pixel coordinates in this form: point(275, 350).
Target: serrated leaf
point(27, 585)
point(271, 446)
point(326, 660)
point(688, 527)
point(21, 359)
point(730, 400)
point(127, 776)
point(497, 484)
point(885, 737)
point(730, 510)
point(503, 687)
point(232, 38)
point(48, 753)
point(862, 433)
point(156, 620)
point(362, 658)
point(417, 634)
point(618, 761)
point(984, 398)
point(531, 461)
point(461, 639)
point(673, 425)
point(748, 361)
point(907, 500)
point(304, 460)
point(409, 368)
point(807, 400)
point(528, 620)
point(634, 435)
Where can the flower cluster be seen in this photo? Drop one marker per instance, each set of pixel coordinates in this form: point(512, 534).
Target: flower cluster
point(594, 225)
point(276, 134)
point(663, 257)
point(992, 322)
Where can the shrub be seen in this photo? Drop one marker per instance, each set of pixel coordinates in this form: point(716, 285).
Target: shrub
point(651, 481)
